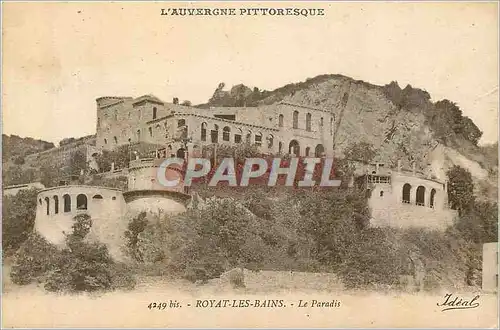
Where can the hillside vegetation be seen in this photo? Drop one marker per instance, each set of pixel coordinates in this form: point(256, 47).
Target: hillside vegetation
point(15, 148)
point(316, 230)
point(401, 124)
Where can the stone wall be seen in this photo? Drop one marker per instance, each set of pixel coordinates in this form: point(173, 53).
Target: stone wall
point(109, 209)
point(57, 207)
point(143, 175)
point(128, 120)
point(390, 206)
point(14, 189)
point(490, 267)
point(148, 119)
point(61, 156)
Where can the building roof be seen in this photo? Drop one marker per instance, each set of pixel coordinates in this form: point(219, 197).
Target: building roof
point(148, 97)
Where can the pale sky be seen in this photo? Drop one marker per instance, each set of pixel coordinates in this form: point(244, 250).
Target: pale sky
point(59, 57)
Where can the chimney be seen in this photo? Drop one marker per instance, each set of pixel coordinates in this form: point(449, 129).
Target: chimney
point(414, 168)
point(176, 100)
point(399, 165)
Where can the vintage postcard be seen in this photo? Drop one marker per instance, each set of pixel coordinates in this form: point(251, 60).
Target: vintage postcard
point(250, 164)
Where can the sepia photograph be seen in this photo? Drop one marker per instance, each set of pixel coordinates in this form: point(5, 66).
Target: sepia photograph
point(250, 164)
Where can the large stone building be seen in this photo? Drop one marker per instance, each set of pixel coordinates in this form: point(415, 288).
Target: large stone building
point(404, 198)
point(110, 209)
point(277, 128)
point(399, 198)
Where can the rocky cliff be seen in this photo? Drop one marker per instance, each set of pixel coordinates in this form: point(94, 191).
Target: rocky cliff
point(14, 146)
point(400, 123)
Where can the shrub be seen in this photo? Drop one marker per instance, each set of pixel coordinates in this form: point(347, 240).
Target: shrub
point(33, 260)
point(373, 260)
point(83, 267)
point(360, 151)
point(330, 219)
point(18, 218)
point(120, 156)
point(460, 188)
point(135, 227)
point(80, 266)
point(81, 227)
point(479, 223)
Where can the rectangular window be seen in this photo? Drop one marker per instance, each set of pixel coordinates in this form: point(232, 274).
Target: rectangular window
point(258, 140)
point(237, 138)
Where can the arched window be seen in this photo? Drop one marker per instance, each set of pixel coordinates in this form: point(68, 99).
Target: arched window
point(158, 129)
point(40, 201)
point(308, 122)
point(308, 150)
point(203, 131)
point(105, 141)
point(116, 140)
point(56, 204)
point(406, 193)
point(154, 112)
point(420, 198)
point(81, 202)
point(270, 141)
point(248, 138)
point(97, 197)
point(140, 115)
point(67, 203)
point(138, 135)
point(181, 153)
point(258, 139)
point(237, 136)
point(280, 120)
point(381, 193)
point(295, 119)
point(294, 148)
point(47, 205)
point(226, 131)
point(214, 134)
point(150, 129)
point(280, 147)
point(433, 195)
point(319, 151)
point(321, 122)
